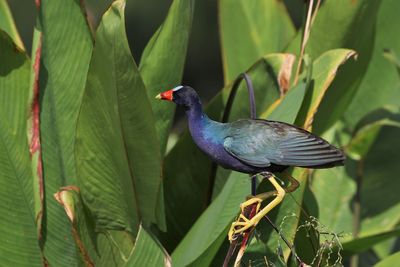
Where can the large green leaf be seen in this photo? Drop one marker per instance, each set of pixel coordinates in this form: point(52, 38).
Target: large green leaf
point(66, 50)
point(341, 24)
point(19, 246)
point(162, 62)
point(117, 151)
point(148, 252)
point(7, 24)
point(392, 57)
point(364, 243)
point(381, 84)
point(33, 130)
point(379, 215)
point(334, 209)
point(364, 138)
point(81, 228)
point(325, 68)
point(250, 30)
point(288, 106)
point(193, 183)
point(390, 261)
point(209, 231)
point(380, 207)
point(122, 251)
point(109, 248)
point(360, 18)
point(94, 248)
point(385, 247)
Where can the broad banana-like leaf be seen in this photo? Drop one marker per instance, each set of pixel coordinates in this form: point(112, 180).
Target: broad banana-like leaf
point(378, 218)
point(392, 57)
point(362, 244)
point(148, 252)
point(360, 144)
point(341, 24)
point(350, 25)
point(289, 106)
point(108, 248)
point(392, 260)
point(7, 24)
point(380, 207)
point(117, 150)
point(81, 228)
point(325, 68)
point(33, 130)
point(65, 55)
point(162, 62)
point(381, 83)
point(20, 240)
point(250, 30)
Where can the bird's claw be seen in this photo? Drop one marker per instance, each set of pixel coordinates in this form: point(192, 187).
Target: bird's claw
point(242, 224)
point(239, 228)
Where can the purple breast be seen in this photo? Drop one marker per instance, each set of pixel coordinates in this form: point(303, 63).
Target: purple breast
point(214, 148)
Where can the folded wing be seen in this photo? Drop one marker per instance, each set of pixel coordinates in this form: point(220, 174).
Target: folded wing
point(260, 143)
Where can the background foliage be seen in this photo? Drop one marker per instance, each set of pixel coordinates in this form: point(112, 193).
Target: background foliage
point(92, 172)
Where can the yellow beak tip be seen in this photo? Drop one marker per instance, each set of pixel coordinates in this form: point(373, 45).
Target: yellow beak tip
point(158, 96)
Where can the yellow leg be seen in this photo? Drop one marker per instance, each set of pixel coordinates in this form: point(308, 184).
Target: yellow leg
point(250, 202)
point(243, 224)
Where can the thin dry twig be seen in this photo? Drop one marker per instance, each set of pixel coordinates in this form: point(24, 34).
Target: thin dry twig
point(306, 34)
point(315, 11)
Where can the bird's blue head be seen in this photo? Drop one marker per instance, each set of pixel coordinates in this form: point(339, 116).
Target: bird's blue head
point(181, 95)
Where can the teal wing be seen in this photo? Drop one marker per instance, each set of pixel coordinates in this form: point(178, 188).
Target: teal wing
point(260, 143)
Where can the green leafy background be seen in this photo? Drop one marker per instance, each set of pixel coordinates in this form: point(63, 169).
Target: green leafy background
point(118, 181)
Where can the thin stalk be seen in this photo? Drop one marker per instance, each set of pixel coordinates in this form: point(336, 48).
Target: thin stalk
point(306, 34)
point(315, 11)
point(230, 253)
point(357, 208)
point(232, 96)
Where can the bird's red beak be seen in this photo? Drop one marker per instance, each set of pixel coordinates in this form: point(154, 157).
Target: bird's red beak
point(167, 95)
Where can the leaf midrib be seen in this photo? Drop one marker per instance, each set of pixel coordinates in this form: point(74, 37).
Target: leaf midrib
point(17, 176)
point(122, 132)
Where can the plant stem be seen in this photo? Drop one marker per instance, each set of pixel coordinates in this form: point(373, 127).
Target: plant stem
point(357, 208)
point(306, 34)
point(315, 12)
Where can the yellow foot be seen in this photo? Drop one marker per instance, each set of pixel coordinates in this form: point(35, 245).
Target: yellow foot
point(240, 227)
point(242, 224)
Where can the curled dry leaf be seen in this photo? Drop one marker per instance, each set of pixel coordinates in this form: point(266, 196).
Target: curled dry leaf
point(285, 73)
point(65, 198)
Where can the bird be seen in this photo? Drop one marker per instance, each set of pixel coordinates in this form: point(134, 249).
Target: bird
point(253, 146)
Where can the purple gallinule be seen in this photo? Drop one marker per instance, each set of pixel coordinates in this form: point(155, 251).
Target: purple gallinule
point(254, 147)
